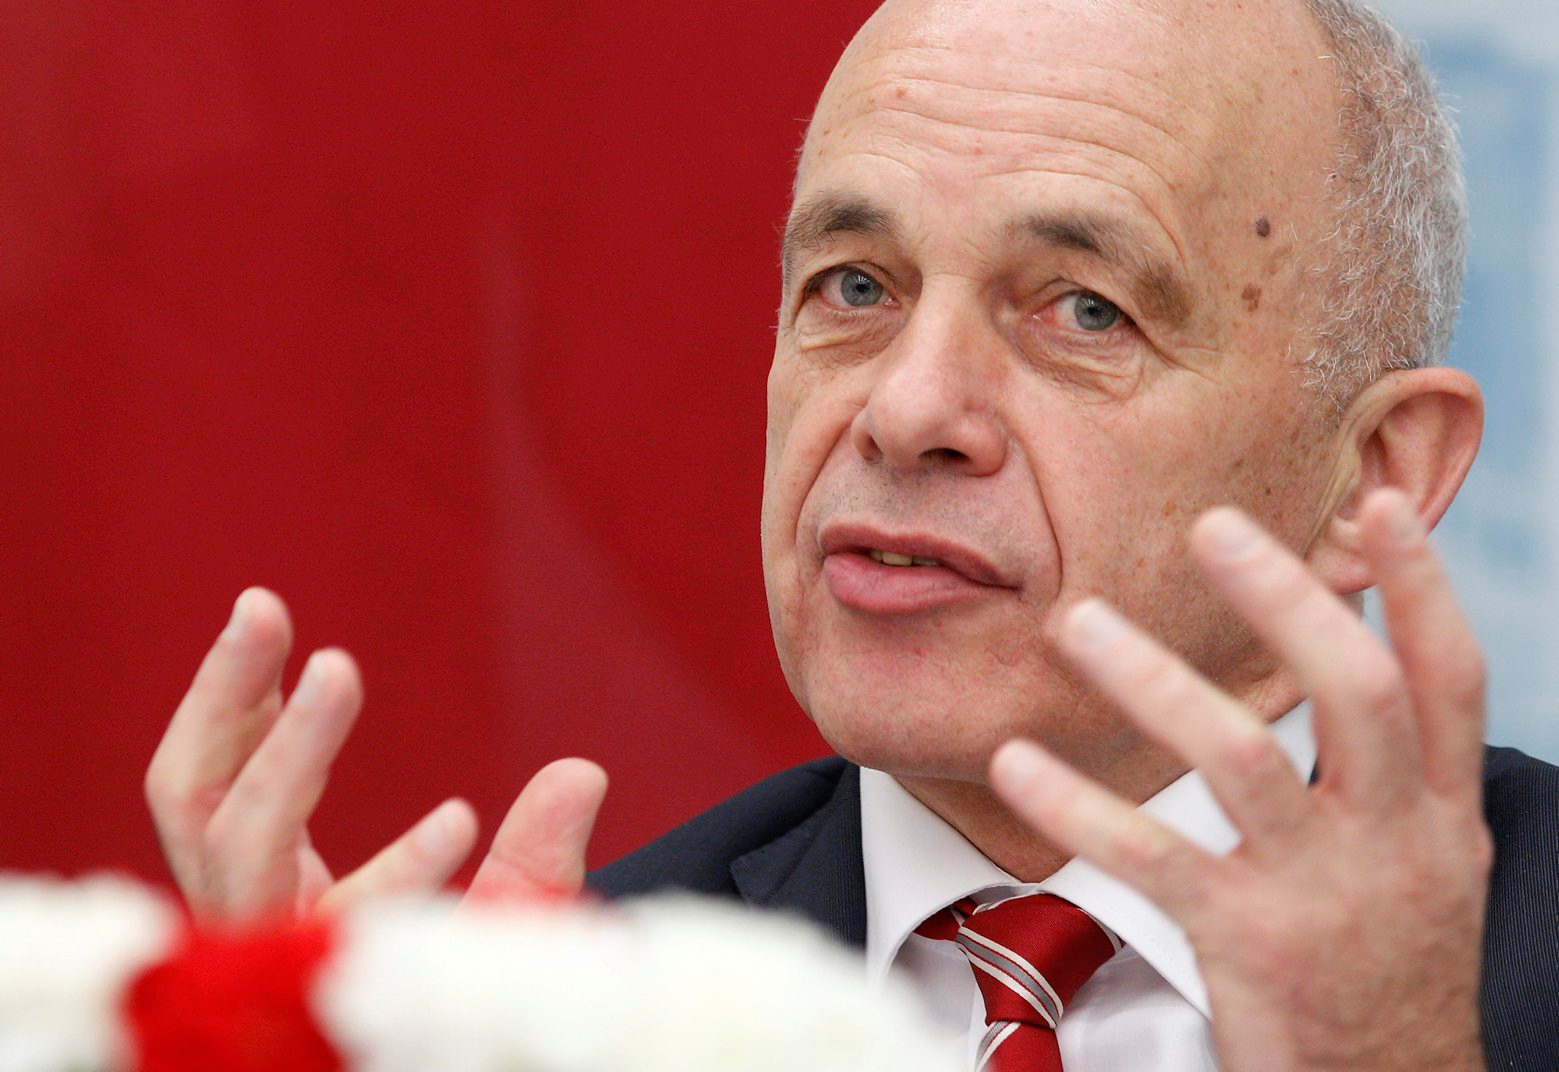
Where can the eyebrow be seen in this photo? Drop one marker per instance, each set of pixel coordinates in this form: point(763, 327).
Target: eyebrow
point(819, 218)
point(1157, 287)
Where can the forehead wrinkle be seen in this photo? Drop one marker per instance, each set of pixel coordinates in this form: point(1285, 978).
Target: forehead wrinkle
point(1167, 159)
point(1116, 104)
point(1052, 169)
point(1065, 146)
point(1015, 131)
point(1156, 284)
point(1141, 87)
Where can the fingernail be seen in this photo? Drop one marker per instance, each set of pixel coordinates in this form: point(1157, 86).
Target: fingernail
point(240, 616)
point(1016, 766)
point(311, 680)
point(437, 831)
point(1093, 623)
point(1231, 534)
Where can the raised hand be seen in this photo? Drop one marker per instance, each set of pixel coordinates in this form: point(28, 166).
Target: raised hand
point(1344, 931)
point(241, 768)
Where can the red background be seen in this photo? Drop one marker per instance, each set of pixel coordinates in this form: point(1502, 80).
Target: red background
point(450, 323)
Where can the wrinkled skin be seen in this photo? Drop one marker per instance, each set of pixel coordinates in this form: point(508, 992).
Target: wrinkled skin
point(1045, 301)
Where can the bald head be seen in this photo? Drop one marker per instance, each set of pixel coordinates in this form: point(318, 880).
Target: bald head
point(1263, 58)
point(1311, 113)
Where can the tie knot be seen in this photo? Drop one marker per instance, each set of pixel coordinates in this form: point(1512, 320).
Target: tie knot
point(1030, 954)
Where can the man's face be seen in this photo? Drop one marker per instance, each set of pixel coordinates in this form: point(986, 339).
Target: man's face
point(1042, 307)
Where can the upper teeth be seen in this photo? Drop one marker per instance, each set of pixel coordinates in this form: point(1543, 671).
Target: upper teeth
point(890, 558)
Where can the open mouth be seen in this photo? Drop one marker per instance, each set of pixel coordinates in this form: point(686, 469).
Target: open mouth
point(891, 558)
point(879, 572)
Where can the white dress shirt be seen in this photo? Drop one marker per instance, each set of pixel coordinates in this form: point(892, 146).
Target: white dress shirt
point(1146, 1009)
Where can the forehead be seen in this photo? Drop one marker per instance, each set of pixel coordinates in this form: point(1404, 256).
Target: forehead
point(1191, 69)
point(994, 53)
point(1174, 115)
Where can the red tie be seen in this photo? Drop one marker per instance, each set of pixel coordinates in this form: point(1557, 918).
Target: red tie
point(1029, 954)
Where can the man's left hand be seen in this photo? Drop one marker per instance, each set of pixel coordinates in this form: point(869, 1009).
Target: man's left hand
point(1344, 932)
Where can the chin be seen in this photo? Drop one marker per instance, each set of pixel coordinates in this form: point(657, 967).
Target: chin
point(925, 725)
point(891, 741)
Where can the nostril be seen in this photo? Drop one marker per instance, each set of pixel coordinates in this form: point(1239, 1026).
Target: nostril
point(945, 454)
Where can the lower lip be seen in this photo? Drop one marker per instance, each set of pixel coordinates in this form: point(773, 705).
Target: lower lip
point(864, 584)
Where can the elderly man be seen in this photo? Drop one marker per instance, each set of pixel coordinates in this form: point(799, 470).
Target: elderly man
point(1063, 279)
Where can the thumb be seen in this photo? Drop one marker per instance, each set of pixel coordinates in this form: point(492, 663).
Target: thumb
point(538, 853)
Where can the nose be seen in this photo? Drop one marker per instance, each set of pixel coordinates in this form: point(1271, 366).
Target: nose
point(934, 403)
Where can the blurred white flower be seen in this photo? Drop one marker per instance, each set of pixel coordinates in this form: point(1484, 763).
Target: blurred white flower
point(656, 986)
point(67, 951)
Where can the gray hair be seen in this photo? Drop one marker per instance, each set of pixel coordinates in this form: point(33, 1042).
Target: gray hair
point(1389, 282)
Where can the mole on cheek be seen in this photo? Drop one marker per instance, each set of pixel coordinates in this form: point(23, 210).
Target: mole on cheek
point(1251, 296)
point(1263, 227)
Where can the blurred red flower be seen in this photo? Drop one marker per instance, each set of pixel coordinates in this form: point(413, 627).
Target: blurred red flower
point(233, 1001)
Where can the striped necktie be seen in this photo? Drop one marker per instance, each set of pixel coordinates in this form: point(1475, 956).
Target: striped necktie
point(1029, 955)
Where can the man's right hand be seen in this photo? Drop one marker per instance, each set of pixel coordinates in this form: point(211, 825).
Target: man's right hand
point(241, 768)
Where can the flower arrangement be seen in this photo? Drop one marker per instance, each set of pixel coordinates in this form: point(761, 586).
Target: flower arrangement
point(104, 975)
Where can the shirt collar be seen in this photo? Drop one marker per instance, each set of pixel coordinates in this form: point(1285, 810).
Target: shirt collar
point(916, 864)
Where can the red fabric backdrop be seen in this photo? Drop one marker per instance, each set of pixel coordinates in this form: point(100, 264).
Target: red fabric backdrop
point(449, 322)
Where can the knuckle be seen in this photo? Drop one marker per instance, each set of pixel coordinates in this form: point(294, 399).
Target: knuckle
point(216, 837)
point(1481, 851)
point(1048, 811)
point(1287, 586)
point(155, 788)
point(1162, 679)
point(166, 795)
point(1469, 673)
point(1382, 687)
point(224, 835)
point(1154, 677)
point(1252, 756)
point(1142, 853)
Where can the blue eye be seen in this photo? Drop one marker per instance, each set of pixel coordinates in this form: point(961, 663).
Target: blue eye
point(1094, 313)
point(856, 289)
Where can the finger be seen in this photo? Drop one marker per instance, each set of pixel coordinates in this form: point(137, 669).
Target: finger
point(1175, 706)
point(253, 837)
point(314, 877)
point(1083, 818)
point(1365, 731)
point(234, 698)
point(539, 851)
point(419, 861)
point(1435, 645)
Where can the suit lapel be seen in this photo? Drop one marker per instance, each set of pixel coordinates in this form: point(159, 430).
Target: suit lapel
point(814, 869)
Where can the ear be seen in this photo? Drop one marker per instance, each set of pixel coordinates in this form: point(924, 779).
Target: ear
point(1416, 430)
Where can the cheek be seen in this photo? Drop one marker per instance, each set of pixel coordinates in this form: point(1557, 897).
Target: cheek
point(809, 420)
point(810, 413)
point(778, 509)
point(782, 471)
point(1153, 467)
point(1124, 496)
point(781, 401)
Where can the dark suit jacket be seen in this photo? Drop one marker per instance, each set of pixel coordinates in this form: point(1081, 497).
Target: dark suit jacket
point(793, 843)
